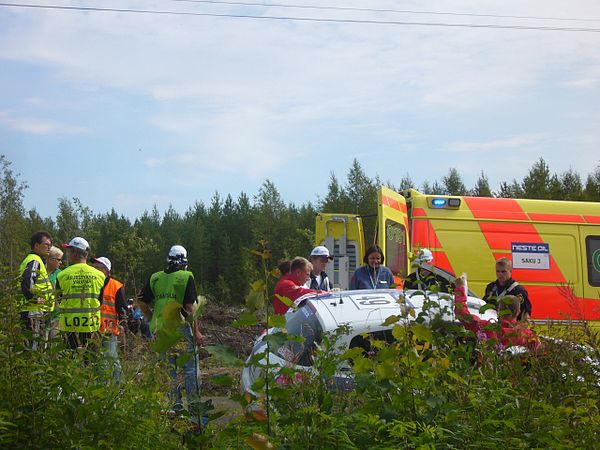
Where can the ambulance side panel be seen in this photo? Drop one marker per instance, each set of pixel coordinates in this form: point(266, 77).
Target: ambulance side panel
point(562, 280)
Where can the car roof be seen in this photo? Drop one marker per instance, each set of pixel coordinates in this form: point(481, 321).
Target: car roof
point(368, 309)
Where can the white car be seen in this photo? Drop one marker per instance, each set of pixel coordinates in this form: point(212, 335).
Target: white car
point(363, 311)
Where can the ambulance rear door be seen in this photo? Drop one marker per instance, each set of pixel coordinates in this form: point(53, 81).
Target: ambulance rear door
point(392, 231)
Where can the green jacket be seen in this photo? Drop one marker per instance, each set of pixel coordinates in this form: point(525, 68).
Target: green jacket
point(167, 288)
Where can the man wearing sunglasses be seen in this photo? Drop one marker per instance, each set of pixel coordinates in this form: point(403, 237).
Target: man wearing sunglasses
point(35, 297)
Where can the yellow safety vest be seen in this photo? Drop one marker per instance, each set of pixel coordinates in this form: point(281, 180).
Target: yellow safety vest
point(79, 295)
point(42, 287)
point(167, 288)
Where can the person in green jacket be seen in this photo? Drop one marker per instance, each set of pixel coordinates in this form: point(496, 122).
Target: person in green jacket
point(53, 264)
point(35, 296)
point(166, 300)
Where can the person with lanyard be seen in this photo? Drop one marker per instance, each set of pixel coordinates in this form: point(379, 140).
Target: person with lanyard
point(79, 289)
point(113, 313)
point(35, 290)
point(373, 275)
point(175, 285)
point(319, 257)
point(505, 285)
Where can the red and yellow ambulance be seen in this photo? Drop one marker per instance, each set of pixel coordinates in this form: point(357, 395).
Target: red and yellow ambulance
point(554, 245)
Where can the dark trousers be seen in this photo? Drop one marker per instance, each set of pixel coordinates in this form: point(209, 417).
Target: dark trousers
point(25, 322)
point(75, 340)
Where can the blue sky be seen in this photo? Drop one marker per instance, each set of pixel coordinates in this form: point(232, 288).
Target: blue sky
point(129, 110)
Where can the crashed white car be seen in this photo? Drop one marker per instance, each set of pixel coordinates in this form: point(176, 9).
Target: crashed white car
point(363, 312)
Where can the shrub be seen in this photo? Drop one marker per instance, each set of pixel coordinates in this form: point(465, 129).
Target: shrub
point(434, 387)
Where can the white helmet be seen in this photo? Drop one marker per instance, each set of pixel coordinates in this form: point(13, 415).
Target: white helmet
point(425, 256)
point(177, 256)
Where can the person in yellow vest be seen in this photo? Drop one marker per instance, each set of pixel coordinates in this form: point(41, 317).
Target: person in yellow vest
point(175, 285)
point(113, 313)
point(35, 296)
point(79, 290)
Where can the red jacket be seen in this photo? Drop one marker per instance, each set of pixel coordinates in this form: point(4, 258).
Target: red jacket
point(287, 287)
point(509, 333)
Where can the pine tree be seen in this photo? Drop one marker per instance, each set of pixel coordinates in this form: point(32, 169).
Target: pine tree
point(13, 239)
point(362, 196)
point(426, 188)
point(438, 189)
point(512, 190)
point(67, 221)
point(482, 187)
point(406, 183)
point(361, 190)
point(539, 182)
point(592, 186)
point(571, 186)
point(453, 183)
point(336, 199)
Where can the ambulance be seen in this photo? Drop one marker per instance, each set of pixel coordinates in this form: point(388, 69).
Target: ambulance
point(554, 245)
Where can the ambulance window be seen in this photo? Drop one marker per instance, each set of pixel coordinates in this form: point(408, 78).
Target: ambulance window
point(395, 247)
point(593, 259)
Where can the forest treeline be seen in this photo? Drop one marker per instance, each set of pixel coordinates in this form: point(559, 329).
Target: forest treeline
point(220, 234)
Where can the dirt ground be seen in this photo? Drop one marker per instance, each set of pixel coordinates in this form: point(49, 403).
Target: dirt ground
point(217, 330)
point(216, 327)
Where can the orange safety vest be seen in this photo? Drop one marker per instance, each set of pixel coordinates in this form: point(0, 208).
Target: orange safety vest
point(109, 318)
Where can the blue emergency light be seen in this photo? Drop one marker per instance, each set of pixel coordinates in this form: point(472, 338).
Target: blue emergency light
point(448, 203)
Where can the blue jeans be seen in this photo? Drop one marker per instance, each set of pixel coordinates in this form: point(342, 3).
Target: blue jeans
point(191, 372)
point(111, 356)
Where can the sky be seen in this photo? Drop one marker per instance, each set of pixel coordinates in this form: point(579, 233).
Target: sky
point(128, 110)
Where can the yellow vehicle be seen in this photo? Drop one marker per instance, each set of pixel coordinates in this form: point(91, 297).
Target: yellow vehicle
point(554, 245)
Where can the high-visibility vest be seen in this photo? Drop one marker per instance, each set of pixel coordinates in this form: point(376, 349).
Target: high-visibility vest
point(42, 287)
point(167, 287)
point(108, 311)
point(80, 287)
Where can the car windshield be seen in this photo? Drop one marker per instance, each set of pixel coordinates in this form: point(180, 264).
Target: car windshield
point(450, 277)
point(304, 323)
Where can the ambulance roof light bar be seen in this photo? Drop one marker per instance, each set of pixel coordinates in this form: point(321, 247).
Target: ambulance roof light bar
point(444, 202)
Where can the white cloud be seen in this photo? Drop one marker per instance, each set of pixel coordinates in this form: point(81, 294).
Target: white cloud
point(513, 142)
point(301, 71)
point(37, 126)
point(242, 141)
point(588, 78)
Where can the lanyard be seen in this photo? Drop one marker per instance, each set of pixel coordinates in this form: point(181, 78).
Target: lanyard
point(374, 282)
